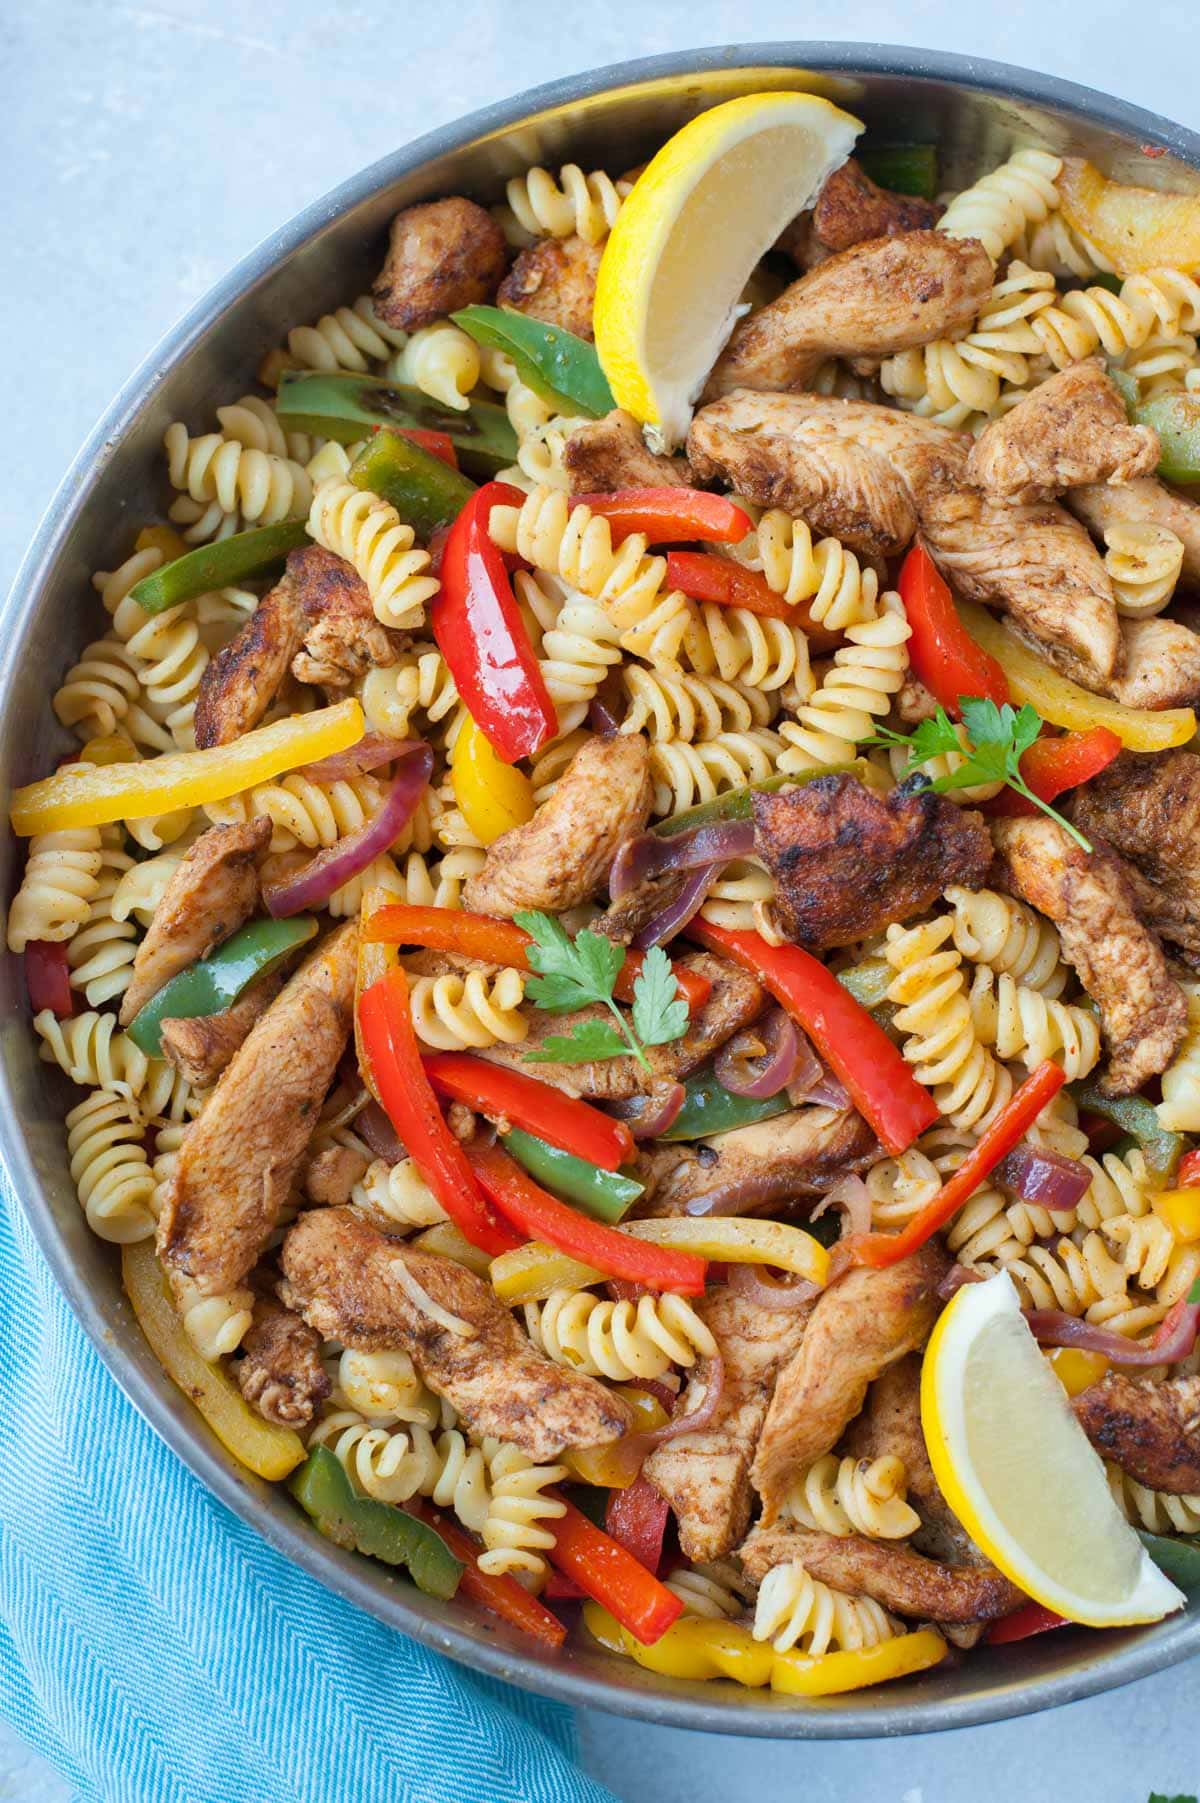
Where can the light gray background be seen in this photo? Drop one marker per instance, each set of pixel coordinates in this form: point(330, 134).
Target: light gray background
point(146, 147)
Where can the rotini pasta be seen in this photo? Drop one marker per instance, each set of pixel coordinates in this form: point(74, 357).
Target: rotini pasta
point(109, 1167)
point(1024, 1024)
point(1153, 1258)
point(866, 673)
point(1089, 319)
point(794, 1609)
point(419, 683)
point(395, 1464)
point(1179, 1110)
point(1143, 563)
point(350, 338)
point(715, 1591)
point(253, 422)
point(669, 705)
point(95, 1054)
point(262, 488)
point(932, 1011)
point(996, 209)
point(60, 882)
point(302, 812)
point(951, 381)
point(383, 1387)
point(512, 1532)
point(453, 1013)
point(686, 774)
point(838, 591)
point(618, 1340)
point(101, 953)
point(854, 1496)
point(582, 205)
point(1158, 1511)
point(367, 531)
point(216, 1325)
point(996, 930)
point(401, 1193)
point(441, 361)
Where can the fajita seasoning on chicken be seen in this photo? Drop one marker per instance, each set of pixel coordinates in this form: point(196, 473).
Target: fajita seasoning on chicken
point(684, 866)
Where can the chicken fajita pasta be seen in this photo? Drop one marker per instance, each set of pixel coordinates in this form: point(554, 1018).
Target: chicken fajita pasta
point(623, 912)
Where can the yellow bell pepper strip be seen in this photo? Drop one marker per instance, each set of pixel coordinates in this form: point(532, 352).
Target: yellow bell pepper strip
point(611, 1576)
point(1075, 1369)
point(425, 489)
point(797, 1674)
point(323, 1489)
point(161, 538)
point(1064, 703)
point(1135, 228)
point(1180, 1209)
point(560, 368)
point(530, 1273)
point(73, 797)
point(616, 1466)
point(269, 1451)
point(494, 796)
point(347, 407)
point(223, 564)
point(446, 1241)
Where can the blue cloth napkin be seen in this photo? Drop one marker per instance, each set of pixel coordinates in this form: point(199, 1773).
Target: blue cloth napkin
point(155, 1650)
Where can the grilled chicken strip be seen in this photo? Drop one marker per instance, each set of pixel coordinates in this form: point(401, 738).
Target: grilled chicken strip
point(212, 892)
point(1152, 1431)
point(1161, 665)
point(857, 1329)
point(238, 1159)
point(1069, 430)
point(563, 854)
point(442, 255)
point(705, 1476)
point(201, 1047)
point(1120, 963)
point(1148, 807)
point(851, 208)
point(870, 474)
point(281, 1374)
point(879, 297)
point(1146, 502)
point(608, 453)
point(901, 1580)
point(847, 861)
point(342, 637)
point(803, 1153)
point(329, 1177)
point(555, 281)
point(355, 1284)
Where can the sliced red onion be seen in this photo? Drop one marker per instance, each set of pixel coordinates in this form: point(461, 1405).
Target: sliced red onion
point(648, 1116)
point(955, 1278)
point(827, 1092)
point(1047, 1178)
point(602, 722)
point(375, 1128)
point(766, 1058)
point(751, 1283)
point(745, 1194)
point(665, 1395)
point(674, 917)
point(373, 749)
point(851, 1196)
point(311, 887)
point(1175, 1339)
point(694, 1419)
point(649, 855)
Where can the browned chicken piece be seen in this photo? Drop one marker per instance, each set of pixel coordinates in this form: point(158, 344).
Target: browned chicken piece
point(902, 1581)
point(705, 1476)
point(442, 255)
point(1161, 665)
point(857, 1329)
point(555, 281)
point(803, 1153)
point(1147, 806)
point(200, 1048)
point(1152, 1431)
point(242, 680)
point(212, 892)
point(848, 861)
point(1069, 430)
point(238, 1159)
point(342, 637)
point(869, 474)
point(604, 454)
point(281, 1374)
point(355, 1284)
point(914, 703)
point(1120, 963)
point(879, 297)
point(851, 208)
point(563, 854)
point(1146, 502)
point(329, 1177)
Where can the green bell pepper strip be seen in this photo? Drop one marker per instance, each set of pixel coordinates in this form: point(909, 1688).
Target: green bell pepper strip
point(868, 982)
point(1176, 419)
point(1134, 1115)
point(1178, 1556)
point(425, 492)
point(347, 407)
point(709, 1108)
point(904, 168)
point(738, 804)
point(222, 564)
point(606, 1195)
point(562, 369)
point(213, 983)
point(381, 1531)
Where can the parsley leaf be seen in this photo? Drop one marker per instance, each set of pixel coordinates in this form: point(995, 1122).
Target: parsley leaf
point(577, 973)
point(1158, 1797)
point(990, 744)
point(1194, 1292)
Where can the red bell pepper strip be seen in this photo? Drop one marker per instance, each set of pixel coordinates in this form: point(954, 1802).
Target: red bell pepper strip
point(942, 653)
point(562, 1589)
point(607, 1572)
point(48, 977)
point(1189, 1170)
point(398, 1076)
point(881, 1085)
point(481, 635)
point(500, 1596)
point(1031, 1618)
point(637, 1519)
point(498, 942)
point(705, 577)
point(669, 516)
point(541, 1216)
point(1010, 1125)
point(438, 444)
point(1052, 765)
point(525, 1101)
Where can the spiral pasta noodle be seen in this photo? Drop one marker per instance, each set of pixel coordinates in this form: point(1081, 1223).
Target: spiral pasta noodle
point(349, 338)
point(1152, 1256)
point(740, 898)
point(666, 705)
point(253, 422)
point(512, 1533)
point(263, 488)
point(395, 1464)
point(1122, 1184)
point(456, 1013)
point(618, 1340)
point(94, 1053)
point(996, 930)
point(577, 650)
point(1022, 1023)
point(1179, 1110)
point(1083, 1279)
point(1143, 563)
point(715, 1591)
point(419, 683)
point(441, 361)
point(172, 659)
point(367, 531)
point(854, 1496)
point(302, 812)
point(794, 1609)
point(60, 882)
point(400, 1192)
point(739, 646)
point(109, 1167)
point(686, 774)
point(216, 1325)
point(1058, 248)
point(584, 206)
point(103, 692)
point(1158, 1511)
point(383, 1387)
point(1000, 206)
point(867, 671)
point(541, 452)
point(932, 1011)
point(1086, 320)
point(1162, 365)
point(100, 955)
point(951, 380)
point(992, 1228)
point(827, 576)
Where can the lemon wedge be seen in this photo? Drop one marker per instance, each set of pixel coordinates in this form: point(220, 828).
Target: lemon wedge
point(698, 219)
point(1019, 1472)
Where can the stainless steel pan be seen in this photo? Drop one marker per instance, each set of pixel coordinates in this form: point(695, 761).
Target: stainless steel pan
point(975, 111)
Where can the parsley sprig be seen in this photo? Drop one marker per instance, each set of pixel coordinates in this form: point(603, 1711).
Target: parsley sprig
point(575, 973)
point(996, 739)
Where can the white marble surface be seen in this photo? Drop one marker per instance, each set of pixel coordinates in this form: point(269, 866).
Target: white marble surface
point(145, 147)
